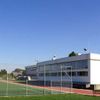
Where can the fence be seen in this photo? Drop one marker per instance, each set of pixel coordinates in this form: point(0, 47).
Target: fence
point(47, 82)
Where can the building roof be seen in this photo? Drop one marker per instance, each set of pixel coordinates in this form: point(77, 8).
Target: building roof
point(92, 56)
point(30, 66)
point(73, 58)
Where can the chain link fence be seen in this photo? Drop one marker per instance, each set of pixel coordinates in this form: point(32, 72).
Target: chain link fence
point(14, 82)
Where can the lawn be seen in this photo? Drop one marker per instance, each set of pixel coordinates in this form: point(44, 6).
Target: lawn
point(18, 92)
point(11, 89)
point(53, 97)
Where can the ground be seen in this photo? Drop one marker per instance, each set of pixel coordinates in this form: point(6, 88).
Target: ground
point(17, 89)
point(53, 97)
point(37, 93)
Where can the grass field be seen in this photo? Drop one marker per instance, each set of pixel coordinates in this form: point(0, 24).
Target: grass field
point(53, 97)
point(18, 92)
point(12, 89)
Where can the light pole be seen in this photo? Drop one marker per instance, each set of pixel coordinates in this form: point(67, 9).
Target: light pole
point(44, 79)
point(71, 79)
point(7, 85)
point(61, 79)
point(37, 69)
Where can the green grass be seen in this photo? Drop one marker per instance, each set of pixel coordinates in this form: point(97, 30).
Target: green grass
point(53, 97)
point(20, 90)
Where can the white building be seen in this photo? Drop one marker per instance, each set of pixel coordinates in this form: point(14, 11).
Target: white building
point(83, 69)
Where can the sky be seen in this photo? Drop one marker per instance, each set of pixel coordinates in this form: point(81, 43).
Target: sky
point(36, 30)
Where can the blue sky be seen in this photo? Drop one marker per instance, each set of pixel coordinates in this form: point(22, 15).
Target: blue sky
point(33, 30)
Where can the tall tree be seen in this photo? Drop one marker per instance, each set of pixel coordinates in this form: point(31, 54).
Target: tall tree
point(72, 54)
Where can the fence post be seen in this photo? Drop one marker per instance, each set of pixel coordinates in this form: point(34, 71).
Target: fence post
point(51, 86)
point(44, 81)
point(7, 85)
point(26, 87)
point(71, 79)
point(61, 80)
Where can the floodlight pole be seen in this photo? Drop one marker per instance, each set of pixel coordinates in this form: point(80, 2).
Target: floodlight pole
point(61, 80)
point(37, 68)
point(71, 80)
point(7, 85)
point(51, 86)
point(26, 87)
point(44, 80)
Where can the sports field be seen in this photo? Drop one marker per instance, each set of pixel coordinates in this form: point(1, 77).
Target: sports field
point(17, 89)
point(53, 97)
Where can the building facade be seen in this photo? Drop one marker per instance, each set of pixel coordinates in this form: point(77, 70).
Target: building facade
point(82, 69)
point(31, 71)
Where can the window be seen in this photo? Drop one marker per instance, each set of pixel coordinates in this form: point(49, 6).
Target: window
point(79, 64)
point(48, 74)
point(53, 74)
point(41, 74)
point(63, 74)
point(71, 73)
point(82, 73)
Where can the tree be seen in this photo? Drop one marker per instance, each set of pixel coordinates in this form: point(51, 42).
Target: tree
point(3, 72)
point(24, 72)
point(72, 54)
point(18, 70)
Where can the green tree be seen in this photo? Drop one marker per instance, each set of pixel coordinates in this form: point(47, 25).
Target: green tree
point(24, 72)
point(3, 72)
point(72, 54)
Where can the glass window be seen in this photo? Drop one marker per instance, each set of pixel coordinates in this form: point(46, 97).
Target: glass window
point(82, 73)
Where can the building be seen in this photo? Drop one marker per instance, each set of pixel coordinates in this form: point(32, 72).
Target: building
point(31, 71)
point(17, 72)
point(82, 70)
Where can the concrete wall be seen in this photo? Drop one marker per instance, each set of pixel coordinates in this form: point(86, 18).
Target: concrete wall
point(94, 69)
